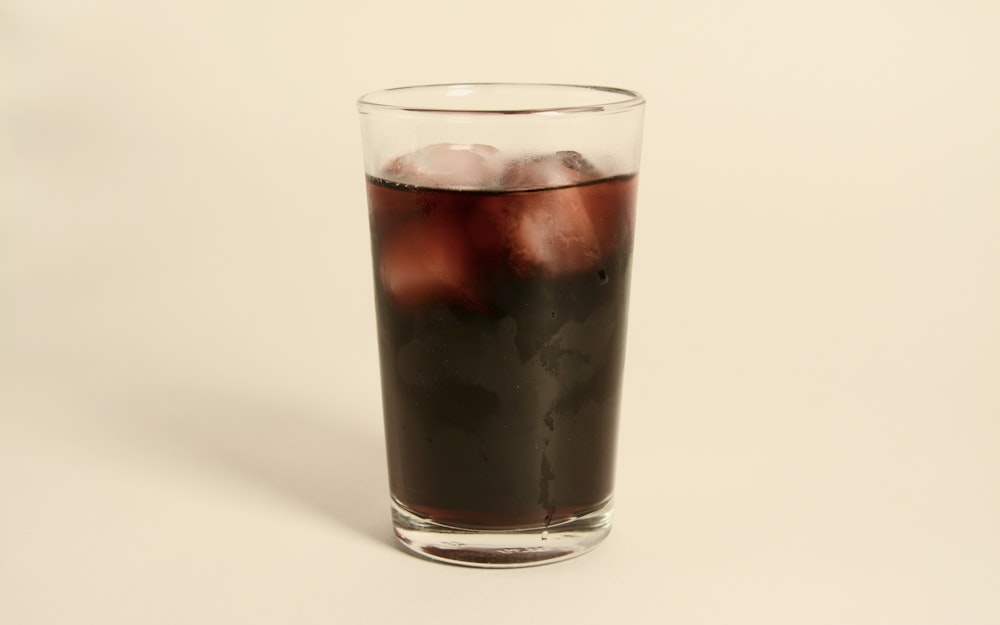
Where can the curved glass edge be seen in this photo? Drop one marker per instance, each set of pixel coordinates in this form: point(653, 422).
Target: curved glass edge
point(631, 99)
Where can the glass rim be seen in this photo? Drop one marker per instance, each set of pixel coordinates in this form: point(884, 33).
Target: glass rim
point(618, 100)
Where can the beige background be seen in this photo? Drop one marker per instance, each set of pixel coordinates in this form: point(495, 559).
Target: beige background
point(189, 411)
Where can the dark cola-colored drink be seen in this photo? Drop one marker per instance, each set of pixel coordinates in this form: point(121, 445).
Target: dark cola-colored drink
point(501, 323)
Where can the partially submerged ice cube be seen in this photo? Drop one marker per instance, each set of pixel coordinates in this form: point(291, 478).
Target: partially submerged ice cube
point(428, 260)
point(552, 230)
point(551, 233)
point(559, 169)
point(449, 166)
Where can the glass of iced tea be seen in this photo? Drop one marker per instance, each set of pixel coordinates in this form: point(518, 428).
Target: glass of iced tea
point(502, 218)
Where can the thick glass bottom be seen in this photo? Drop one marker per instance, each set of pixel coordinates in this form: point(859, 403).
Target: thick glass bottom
point(501, 548)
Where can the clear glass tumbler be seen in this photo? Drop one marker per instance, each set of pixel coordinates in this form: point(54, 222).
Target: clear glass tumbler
point(502, 219)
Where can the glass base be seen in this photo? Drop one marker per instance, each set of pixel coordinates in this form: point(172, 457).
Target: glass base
point(501, 548)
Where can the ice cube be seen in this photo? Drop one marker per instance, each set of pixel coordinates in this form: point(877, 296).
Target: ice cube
point(428, 260)
point(552, 233)
point(559, 169)
point(449, 166)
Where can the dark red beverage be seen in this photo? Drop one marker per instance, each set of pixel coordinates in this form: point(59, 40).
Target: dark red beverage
point(501, 322)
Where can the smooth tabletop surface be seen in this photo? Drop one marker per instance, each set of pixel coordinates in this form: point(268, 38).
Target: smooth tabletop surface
point(190, 421)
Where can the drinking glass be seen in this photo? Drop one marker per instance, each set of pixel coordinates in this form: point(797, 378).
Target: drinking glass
point(502, 219)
